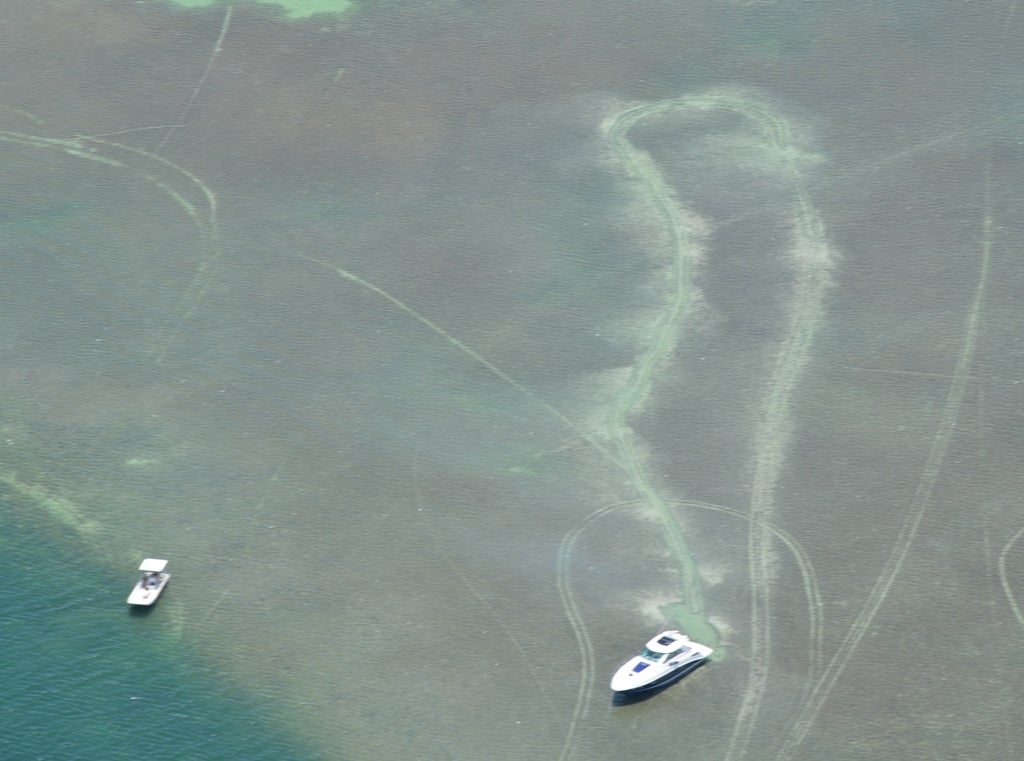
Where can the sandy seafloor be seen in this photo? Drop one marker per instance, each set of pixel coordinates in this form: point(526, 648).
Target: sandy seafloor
point(449, 350)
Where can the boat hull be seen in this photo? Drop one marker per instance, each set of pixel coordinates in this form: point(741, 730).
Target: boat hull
point(625, 682)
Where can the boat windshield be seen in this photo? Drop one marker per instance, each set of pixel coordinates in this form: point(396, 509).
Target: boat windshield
point(651, 655)
point(655, 657)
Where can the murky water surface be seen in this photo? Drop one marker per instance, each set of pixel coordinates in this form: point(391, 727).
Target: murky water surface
point(450, 350)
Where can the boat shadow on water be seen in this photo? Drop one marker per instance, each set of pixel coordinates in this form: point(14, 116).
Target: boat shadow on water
point(141, 611)
point(639, 696)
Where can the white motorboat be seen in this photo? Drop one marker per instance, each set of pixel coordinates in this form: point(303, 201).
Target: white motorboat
point(152, 582)
point(667, 656)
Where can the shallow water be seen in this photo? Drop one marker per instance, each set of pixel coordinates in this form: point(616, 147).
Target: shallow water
point(86, 679)
point(447, 363)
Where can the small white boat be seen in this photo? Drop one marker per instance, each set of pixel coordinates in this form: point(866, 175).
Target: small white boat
point(667, 656)
point(152, 583)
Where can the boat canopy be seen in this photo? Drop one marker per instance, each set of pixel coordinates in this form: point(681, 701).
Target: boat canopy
point(667, 642)
point(153, 565)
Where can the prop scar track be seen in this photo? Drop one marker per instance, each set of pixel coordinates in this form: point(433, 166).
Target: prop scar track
point(584, 693)
point(684, 250)
point(918, 505)
point(186, 189)
point(811, 258)
point(1004, 580)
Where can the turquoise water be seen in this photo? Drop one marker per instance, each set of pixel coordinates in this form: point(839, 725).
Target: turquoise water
point(85, 677)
